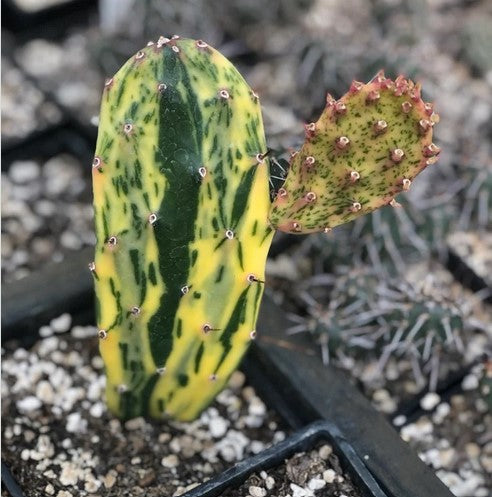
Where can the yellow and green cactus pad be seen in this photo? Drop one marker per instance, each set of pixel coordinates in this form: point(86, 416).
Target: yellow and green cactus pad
point(181, 206)
point(364, 149)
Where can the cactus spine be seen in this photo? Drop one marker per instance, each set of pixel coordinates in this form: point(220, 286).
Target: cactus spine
point(184, 219)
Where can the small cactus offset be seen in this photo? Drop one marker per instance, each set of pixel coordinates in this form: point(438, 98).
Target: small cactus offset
point(184, 218)
point(365, 148)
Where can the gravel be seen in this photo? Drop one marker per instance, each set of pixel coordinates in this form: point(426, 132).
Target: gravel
point(66, 70)
point(46, 212)
point(25, 108)
point(455, 440)
point(55, 421)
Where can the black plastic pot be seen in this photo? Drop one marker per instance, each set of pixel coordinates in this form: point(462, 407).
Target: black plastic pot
point(44, 144)
point(288, 375)
point(50, 21)
point(303, 440)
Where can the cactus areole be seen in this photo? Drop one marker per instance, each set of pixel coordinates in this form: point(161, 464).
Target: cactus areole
point(184, 219)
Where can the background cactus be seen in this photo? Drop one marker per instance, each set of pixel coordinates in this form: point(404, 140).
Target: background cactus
point(388, 239)
point(183, 216)
point(360, 310)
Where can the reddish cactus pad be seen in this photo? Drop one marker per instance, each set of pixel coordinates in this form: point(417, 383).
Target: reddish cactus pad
point(365, 148)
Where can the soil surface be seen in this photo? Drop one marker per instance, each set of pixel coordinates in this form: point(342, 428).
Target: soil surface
point(454, 438)
point(58, 439)
point(306, 474)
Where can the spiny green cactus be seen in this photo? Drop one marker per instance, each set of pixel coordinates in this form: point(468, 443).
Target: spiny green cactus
point(183, 217)
point(387, 315)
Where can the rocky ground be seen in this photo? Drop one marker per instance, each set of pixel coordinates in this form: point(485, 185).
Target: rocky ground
point(59, 439)
point(46, 211)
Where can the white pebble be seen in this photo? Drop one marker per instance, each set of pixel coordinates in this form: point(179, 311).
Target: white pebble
point(92, 486)
point(325, 451)
point(461, 487)
point(228, 453)
point(64, 493)
point(255, 491)
point(164, 438)
point(253, 421)
point(257, 407)
point(400, 420)
point(256, 446)
point(269, 482)
point(447, 456)
point(233, 445)
point(298, 491)
point(50, 489)
point(24, 171)
point(45, 331)
point(384, 401)
point(431, 457)
point(82, 332)
point(442, 410)
point(470, 382)
point(69, 475)
point(66, 443)
point(45, 446)
point(472, 450)
point(70, 240)
point(329, 476)
point(75, 423)
point(45, 208)
point(429, 401)
point(170, 461)
point(20, 354)
point(62, 323)
point(236, 381)
point(45, 392)
point(135, 424)
point(316, 484)
point(28, 404)
point(417, 431)
point(97, 410)
point(110, 479)
point(218, 427)
point(29, 436)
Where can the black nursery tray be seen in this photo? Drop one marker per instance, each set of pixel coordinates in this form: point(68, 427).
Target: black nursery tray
point(51, 20)
point(288, 376)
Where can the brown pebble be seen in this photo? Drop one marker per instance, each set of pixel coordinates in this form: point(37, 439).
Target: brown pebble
point(120, 468)
point(148, 479)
